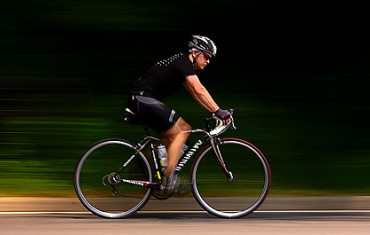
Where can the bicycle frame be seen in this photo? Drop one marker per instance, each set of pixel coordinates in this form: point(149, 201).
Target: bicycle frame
point(211, 136)
point(140, 168)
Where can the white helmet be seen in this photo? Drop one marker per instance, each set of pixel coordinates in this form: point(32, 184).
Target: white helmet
point(202, 44)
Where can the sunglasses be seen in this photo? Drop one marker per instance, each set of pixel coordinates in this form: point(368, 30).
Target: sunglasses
point(206, 56)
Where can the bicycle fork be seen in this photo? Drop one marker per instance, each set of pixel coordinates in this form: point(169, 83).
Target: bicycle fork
point(215, 142)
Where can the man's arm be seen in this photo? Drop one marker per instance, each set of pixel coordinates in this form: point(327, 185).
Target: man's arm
point(200, 93)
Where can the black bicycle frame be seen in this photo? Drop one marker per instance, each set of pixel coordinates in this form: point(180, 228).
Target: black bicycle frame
point(182, 161)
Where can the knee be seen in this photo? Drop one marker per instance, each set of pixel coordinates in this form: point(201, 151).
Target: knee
point(184, 126)
point(178, 128)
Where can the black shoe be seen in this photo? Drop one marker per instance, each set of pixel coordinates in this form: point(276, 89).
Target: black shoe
point(183, 187)
point(172, 183)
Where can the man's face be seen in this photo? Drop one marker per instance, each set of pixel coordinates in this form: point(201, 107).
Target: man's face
point(202, 60)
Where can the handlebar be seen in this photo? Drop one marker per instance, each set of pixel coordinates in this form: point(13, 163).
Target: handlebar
point(220, 127)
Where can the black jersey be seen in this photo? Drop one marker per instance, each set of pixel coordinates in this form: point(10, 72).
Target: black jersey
point(165, 77)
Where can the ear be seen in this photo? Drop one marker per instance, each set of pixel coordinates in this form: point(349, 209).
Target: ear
point(194, 52)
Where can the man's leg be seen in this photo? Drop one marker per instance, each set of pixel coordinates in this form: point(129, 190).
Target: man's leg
point(174, 140)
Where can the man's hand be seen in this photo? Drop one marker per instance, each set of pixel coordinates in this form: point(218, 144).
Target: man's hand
point(224, 115)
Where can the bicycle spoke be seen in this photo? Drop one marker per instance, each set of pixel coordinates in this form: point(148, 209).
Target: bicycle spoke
point(101, 187)
point(223, 197)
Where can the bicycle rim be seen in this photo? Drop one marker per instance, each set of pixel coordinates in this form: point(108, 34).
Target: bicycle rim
point(236, 198)
point(93, 179)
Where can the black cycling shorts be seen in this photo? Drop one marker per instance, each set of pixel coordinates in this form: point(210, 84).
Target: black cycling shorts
point(153, 112)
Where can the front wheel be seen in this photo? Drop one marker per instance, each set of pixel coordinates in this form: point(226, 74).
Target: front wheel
point(98, 174)
point(231, 198)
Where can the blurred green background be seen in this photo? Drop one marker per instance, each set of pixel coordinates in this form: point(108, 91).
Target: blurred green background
point(297, 74)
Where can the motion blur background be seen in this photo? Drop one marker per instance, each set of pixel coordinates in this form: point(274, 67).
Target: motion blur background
point(296, 72)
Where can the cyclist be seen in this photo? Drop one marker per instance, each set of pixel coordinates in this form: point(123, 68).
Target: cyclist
point(160, 81)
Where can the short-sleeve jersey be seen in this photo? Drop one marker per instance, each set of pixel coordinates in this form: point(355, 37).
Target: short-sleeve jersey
point(165, 77)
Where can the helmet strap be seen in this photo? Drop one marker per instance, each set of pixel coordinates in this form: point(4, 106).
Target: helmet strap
point(194, 57)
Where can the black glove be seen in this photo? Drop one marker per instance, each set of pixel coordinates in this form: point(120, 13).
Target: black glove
point(224, 115)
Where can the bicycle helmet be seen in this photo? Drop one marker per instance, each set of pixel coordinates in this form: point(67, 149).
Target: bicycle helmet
point(202, 44)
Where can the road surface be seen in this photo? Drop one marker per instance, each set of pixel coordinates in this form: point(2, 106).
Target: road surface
point(190, 222)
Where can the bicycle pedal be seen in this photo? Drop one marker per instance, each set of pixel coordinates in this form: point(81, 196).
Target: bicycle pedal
point(183, 187)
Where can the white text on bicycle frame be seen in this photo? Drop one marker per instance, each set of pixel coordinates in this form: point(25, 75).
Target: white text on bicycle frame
point(190, 153)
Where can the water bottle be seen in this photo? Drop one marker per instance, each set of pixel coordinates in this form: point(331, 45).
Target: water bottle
point(162, 154)
point(184, 148)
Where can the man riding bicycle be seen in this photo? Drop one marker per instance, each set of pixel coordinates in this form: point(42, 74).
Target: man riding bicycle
point(160, 81)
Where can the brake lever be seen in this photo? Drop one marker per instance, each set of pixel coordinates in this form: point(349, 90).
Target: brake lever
point(232, 119)
point(233, 124)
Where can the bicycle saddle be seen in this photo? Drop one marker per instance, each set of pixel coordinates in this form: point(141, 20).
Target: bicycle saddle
point(131, 118)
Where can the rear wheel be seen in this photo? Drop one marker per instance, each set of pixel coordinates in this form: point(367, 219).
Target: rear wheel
point(240, 196)
point(98, 184)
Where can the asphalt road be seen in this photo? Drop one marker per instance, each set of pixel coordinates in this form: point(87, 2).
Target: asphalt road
point(165, 222)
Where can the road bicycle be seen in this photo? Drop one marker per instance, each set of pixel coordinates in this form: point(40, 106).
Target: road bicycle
point(229, 177)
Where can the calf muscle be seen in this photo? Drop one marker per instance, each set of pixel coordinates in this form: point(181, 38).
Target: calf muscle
point(174, 139)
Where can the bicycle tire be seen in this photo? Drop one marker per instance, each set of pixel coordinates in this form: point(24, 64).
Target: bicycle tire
point(236, 198)
point(93, 184)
